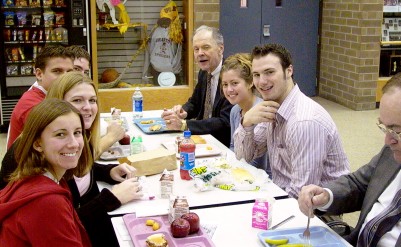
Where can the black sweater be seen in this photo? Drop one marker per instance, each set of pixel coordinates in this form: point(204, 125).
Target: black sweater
point(92, 207)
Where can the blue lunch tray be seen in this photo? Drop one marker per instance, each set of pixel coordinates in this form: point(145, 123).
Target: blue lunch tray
point(319, 236)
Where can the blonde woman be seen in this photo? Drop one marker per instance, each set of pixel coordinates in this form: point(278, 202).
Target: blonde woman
point(81, 92)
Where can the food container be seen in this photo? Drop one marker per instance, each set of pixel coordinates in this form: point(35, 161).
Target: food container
point(166, 184)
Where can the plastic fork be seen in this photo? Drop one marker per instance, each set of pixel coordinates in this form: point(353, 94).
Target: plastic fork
point(306, 234)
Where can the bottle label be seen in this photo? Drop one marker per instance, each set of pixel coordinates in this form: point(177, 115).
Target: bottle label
point(187, 160)
point(136, 145)
point(138, 105)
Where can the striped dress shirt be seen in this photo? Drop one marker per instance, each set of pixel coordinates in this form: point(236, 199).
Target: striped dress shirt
point(303, 144)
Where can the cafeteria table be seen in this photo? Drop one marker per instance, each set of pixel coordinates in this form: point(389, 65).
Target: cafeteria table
point(196, 199)
point(233, 224)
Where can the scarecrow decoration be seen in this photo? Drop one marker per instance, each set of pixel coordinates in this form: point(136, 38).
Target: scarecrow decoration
point(165, 45)
point(169, 26)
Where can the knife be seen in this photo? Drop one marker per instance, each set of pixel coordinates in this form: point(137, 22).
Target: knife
point(282, 222)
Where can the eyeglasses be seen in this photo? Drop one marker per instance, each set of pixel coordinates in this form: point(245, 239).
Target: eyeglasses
point(395, 135)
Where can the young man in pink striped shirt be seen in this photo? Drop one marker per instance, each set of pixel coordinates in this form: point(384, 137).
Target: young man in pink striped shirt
point(299, 136)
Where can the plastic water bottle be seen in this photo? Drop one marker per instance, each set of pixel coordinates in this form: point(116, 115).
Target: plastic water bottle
point(137, 103)
point(187, 155)
point(136, 145)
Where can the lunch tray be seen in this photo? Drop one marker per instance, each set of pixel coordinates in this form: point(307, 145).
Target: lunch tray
point(155, 121)
point(319, 236)
point(115, 152)
point(139, 231)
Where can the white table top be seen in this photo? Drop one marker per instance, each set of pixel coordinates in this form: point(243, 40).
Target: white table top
point(195, 198)
point(234, 223)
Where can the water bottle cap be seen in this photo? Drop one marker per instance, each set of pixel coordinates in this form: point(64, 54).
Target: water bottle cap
point(187, 133)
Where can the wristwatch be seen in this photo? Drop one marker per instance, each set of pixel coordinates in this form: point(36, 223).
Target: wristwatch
point(184, 125)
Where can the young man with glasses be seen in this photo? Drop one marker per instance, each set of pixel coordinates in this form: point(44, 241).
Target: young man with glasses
point(374, 189)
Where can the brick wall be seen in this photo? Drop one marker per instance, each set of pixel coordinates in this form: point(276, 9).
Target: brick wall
point(350, 52)
point(206, 12)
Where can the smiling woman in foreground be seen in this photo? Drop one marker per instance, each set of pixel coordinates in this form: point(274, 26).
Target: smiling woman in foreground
point(35, 207)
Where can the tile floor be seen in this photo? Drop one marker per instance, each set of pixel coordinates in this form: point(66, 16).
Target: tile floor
point(360, 136)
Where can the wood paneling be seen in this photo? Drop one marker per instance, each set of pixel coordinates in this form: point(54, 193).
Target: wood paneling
point(153, 99)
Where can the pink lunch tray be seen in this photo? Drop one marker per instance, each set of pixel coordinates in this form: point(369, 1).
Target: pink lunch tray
point(139, 231)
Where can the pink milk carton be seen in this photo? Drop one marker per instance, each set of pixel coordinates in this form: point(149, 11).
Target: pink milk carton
point(261, 213)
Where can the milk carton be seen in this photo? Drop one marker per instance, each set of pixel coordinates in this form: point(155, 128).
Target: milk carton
point(178, 207)
point(166, 184)
point(262, 213)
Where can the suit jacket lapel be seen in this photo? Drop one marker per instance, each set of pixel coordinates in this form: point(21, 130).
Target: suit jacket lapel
point(383, 176)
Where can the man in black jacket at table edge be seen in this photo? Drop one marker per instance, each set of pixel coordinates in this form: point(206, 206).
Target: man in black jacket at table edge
point(208, 47)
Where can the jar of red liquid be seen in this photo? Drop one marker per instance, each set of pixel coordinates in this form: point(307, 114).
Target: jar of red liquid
point(187, 155)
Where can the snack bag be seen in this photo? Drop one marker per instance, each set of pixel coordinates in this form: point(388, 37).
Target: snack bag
point(34, 3)
point(21, 17)
point(7, 35)
point(9, 18)
point(36, 20)
point(12, 70)
point(48, 18)
point(21, 3)
point(14, 54)
point(27, 69)
point(60, 18)
point(20, 35)
point(47, 3)
point(219, 174)
point(8, 3)
point(59, 3)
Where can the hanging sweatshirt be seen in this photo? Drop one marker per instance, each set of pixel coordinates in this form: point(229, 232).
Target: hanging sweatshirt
point(163, 53)
point(36, 211)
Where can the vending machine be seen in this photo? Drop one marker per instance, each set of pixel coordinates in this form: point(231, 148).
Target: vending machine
point(29, 25)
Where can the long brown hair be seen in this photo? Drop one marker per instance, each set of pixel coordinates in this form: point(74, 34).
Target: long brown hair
point(30, 161)
point(63, 85)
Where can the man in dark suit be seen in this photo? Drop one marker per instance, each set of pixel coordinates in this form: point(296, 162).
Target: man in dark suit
point(203, 113)
point(373, 188)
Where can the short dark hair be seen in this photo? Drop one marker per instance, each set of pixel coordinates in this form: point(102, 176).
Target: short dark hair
point(79, 52)
point(51, 51)
point(278, 50)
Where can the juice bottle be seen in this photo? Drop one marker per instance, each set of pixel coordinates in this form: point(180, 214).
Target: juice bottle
point(187, 155)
